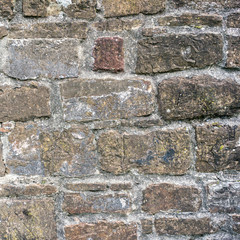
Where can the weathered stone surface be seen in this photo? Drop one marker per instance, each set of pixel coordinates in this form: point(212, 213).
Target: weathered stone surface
point(114, 8)
point(116, 25)
point(87, 100)
point(50, 30)
point(183, 226)
point(10, 190)
point(24, 102)
point(3, 32)
point(101, 231)
point(31, 59)
point(161, 152)
point(178, 52)
point(196, 20)
point(23, 157)
point(218, 147)
point(120, 186)
point(7, 8)
point(147, 226)
point(165, 197)
point(2, 166)
point(86, 186)
point(233, 52)
point(85, 203)
point(35, 8)
point(150, 32)
point(84, 9)
point(198, 96)
point(223, 197)
point(108, 54)
point(27, 219)
point(69, 152)
point(236, 223)
point(233, 20)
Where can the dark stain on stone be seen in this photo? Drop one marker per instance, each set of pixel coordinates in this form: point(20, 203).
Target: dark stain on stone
point(169, 156)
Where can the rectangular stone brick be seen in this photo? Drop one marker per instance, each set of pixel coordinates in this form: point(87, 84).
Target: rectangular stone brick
point(27, 219)
point(2, 166)
point(88, 100)
point(23, 103)
point(102, 230)
point(165, 197)
point(50, 30)
point(160, 152)
point(233, 20)
point(223, 197)
point(10, 190)
point(70, 152)
point(184, 226)
point(108, 54)
point(198, 96)
point(178, 52)
point(86, 186)
point(147, 226)
point(7, 8)
point(117, 25)
point(218, 147)
point(31, 59)
point(115, 8)
point(23, 157)
point(150, 32)
point(3, 32)
point(195, 20)
point(86, 203)
point(233, 52)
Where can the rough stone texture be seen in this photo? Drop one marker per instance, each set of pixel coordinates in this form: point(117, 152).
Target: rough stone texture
point(23, 157)
point(7, 8)
point(120, 186)
point(87, 100)
point(115, 8)
point(195, 20)
point(116, 25)
point(85, 203)
point(150, 32)
point(165, 197)
point(236, 220)
point(69, 152)
point(35, 8)
point(108, 54)
point(233, 20)
point(83, 9)
point(101, 231)
point(183, 226)
point(161, 152)
point(147, 226)
point(50, 30)
point(218, 147)
point(178, 52)
point(198, 96)
point(10, 190)
point(2, 166)
point(27, 219)
point(223, 197)
point(31, 59)
point(233, 52)
point(3, 32)
point(86, 186)
point(23, 103)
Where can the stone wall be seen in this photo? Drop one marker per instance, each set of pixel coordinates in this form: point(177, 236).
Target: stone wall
point(119, 119)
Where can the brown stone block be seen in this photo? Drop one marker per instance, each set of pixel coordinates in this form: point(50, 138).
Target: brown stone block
point(147, 226)
point(233, 52)
point(7, 8)
point(233, 20)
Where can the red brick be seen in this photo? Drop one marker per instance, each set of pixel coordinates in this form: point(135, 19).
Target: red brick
point(108, 54)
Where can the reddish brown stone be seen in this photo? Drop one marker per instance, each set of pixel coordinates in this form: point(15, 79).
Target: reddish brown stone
point(85, 203)
point(147, 226)
point(101, 231)
point(108, 54)
point(233, 20)
point(7, 8)
point(86, 186)
point(23, 103)
point(27, 219)
point(9, 190)
point(165, 197)
point(233, 52)
point(120, 186)
point(184, 226)
point(236, 223)
point(218, 147)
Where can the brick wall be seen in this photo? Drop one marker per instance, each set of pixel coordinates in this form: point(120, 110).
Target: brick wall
point(119, 119)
